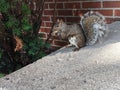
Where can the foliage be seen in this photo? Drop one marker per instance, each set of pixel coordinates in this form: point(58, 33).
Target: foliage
point(2, 75)
point(0, 53)
point(4, 6)
point(21, 21)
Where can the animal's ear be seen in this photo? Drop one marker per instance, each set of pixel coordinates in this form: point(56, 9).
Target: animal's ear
point(58, 20)
point(61, 21)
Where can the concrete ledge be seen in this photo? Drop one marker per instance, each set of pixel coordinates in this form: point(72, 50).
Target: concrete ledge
point(91, 68)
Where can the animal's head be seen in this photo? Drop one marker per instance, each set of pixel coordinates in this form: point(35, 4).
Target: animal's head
point(57, 28)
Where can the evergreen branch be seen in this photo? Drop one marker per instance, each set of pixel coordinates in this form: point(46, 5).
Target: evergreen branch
point(54, 16)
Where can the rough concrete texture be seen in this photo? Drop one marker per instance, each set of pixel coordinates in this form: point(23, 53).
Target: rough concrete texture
point(91, 68)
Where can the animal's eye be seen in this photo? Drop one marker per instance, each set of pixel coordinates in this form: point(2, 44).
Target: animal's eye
point(57, 25)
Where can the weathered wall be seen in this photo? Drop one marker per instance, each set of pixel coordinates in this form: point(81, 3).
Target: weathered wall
point(69, 10)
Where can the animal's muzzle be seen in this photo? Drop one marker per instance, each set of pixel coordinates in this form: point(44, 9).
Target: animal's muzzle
point(54, 33)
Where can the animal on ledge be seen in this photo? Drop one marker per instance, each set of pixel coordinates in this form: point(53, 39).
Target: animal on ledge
point(73, 33)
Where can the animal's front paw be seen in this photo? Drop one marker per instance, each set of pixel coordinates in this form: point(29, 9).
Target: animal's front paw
point(69, 45)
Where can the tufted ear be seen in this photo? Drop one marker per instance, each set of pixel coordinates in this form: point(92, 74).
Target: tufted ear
point(61, 21)
point(58, 20)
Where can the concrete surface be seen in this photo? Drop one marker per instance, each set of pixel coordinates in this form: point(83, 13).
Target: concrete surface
point(91, 68)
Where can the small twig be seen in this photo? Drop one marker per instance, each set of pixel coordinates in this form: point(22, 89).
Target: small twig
point(54, 15)
point(10, 56)
point(40, 16)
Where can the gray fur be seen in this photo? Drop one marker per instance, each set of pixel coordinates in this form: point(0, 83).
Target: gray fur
point(72, 32)
point(94, 26)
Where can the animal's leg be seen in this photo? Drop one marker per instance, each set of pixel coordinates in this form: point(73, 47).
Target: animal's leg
point(76, 47)
point(69, 45)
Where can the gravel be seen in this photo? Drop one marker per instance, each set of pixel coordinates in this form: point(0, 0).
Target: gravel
point(91, 68)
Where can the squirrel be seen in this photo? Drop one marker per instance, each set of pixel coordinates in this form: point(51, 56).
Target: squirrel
point(73, 33)
point(94, 27)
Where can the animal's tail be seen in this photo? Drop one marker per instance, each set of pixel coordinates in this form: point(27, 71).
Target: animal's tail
point(94, 26)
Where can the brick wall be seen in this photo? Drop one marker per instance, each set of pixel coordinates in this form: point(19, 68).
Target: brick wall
point(69, 10)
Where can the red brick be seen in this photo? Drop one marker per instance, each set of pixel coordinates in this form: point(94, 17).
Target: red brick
point(106, 12)
point(109, 20)
point(61, 0)
point(34, 0)
point(51, 5)
point(43, 24)
point(91, 5)
point(49, 0)
point(46, 6)
point(116, 19)
point(48, 24)
point(73, 19)
point(65, 12)
point(45, 18)
point(111, 4)
point(60, 43)
point(45, 30)
point(59, 5)
point(117, 12)
point(48, 12)
point(72, 5)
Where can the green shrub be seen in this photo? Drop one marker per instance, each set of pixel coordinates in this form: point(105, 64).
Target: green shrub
point(2, 75)
point(21, 21)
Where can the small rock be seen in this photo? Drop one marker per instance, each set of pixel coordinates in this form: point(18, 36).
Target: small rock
point(77, 70)
point(84, 81)
point(53, 87)
point(7, 79)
